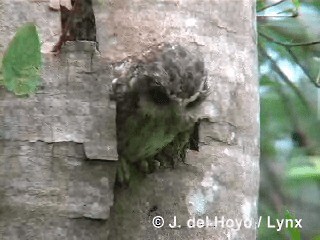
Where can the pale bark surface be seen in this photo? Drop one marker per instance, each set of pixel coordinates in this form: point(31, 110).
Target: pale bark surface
point(50, 187)
point(54, 184)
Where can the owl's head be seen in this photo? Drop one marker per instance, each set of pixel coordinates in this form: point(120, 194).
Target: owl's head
point(167, 73)
point(172, 74)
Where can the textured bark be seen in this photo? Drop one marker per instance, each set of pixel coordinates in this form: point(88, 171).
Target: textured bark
point(54, 180)
point(50, 189)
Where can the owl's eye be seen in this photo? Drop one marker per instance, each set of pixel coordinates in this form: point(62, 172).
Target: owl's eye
point(159, 97)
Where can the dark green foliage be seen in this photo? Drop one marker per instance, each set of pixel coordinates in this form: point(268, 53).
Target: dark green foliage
point(289, 50)
point(293, 232)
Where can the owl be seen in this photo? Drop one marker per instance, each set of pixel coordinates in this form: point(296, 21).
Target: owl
point(153, 94)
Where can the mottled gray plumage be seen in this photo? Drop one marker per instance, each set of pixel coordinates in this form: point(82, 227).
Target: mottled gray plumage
point(153, 94)
point(169, 68)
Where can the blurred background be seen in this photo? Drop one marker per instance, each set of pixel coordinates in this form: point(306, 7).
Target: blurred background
point(289, 66)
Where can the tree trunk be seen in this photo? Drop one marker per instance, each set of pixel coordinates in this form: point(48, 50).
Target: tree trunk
point(58, 147)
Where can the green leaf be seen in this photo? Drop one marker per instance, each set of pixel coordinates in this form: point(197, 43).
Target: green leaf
point(260, 4)
point(293, 232)
point(21, 62)
point(316, 237)
point(306, 172)
point(267, 82)
point(296, 3)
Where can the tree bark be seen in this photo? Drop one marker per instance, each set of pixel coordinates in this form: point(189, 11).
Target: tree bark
point(56, 180)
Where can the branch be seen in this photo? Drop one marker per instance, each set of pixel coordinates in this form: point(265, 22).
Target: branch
point(294, 57)
point(305, 71)
point(285, 78)
point(264, 17)
point(288, 44)
point(271, 5)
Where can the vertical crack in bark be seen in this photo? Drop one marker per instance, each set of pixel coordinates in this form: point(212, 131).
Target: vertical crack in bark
point(194, 137)
point(77, 23)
